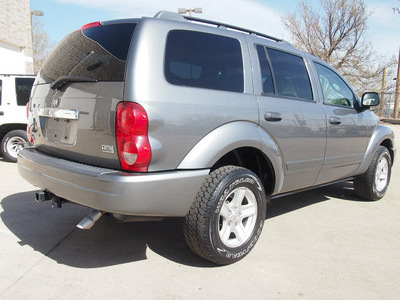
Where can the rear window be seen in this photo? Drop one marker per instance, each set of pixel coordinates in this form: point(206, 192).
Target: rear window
point(204, 60)
point(99, 53)
point(23, 87)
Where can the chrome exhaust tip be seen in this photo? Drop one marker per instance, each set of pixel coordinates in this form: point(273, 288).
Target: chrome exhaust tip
point(89, 220)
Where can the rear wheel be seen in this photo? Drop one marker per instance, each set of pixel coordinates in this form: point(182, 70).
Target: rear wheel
point(13, 142)
point(372, 185)
point(227, 216)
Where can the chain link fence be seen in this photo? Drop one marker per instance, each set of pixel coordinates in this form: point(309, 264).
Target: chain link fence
point(386, 109)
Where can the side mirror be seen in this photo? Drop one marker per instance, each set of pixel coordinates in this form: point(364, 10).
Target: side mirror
point(370, 99)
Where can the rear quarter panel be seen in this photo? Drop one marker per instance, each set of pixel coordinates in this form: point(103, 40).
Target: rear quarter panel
point(179, 116)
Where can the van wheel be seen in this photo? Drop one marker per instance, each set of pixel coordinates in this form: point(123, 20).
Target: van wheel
point(227, 216)
point(13, 142)
point(372, 185)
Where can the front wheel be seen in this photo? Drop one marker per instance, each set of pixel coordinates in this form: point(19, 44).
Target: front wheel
point(373, 184)
point(227, 216)
point(13, 142)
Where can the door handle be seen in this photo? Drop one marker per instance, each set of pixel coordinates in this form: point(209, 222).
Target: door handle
point(1, 113)
point(272, 116)
point(335, 120)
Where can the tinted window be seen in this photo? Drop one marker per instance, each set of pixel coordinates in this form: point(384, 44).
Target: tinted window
point(291, 77)
point(266, 75)
point(23, 87)
point(335, 90)
point(204, 60)
point(99, 53)
point(1, 87)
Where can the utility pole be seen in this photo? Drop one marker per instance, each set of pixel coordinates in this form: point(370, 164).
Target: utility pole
point(396, 103)
point(383, 93)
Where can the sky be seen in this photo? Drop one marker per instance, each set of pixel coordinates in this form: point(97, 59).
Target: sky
point(61, 17)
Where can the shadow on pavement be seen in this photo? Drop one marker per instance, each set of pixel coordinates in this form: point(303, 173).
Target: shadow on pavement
point(342, 190)
point(53, 232)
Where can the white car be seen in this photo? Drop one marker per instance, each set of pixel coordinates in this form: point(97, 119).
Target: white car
point(14, 95)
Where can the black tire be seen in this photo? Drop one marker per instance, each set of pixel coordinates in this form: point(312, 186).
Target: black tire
point(12, 142)
point(373, 184)
point(214, 213)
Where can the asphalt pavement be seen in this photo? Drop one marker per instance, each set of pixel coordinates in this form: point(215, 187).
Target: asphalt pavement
point(321, 244)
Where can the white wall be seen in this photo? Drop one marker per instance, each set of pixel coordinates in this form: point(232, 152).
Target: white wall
point(13, 59)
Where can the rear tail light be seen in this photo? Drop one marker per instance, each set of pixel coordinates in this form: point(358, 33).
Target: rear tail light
point(29, 134)
point(27, 110)
point(132, 140)
point(28, 127)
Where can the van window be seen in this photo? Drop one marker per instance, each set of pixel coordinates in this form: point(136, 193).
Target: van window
point(335, 90)
point(291, 76)
point(23, 87)
point(204, 60)
point(1, 87)
point(99, 53)
point(266, 75)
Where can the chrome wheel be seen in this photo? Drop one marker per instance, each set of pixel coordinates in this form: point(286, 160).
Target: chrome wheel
point(15, 144)
point(382, 174)
point(238, 217)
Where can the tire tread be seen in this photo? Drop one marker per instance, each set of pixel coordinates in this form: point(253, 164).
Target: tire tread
point(194, 225)
point(363, 184)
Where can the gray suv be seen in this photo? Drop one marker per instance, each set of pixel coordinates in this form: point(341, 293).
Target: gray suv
point(174, 116)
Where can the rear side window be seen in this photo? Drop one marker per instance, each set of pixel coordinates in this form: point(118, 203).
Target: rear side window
point(99, 53)
point(204, 60)
point(291, 76)
point(23, 87)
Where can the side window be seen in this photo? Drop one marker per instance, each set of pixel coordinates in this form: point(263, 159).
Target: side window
point(291, 76)
point(266, 75)
point(23, 87)
point(204, 60)
point(335, 90)
point(1, 88)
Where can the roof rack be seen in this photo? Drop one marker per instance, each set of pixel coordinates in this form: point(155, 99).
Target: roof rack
point(218, 24)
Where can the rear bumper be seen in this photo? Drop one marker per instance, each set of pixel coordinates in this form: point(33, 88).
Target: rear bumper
point(144, 194)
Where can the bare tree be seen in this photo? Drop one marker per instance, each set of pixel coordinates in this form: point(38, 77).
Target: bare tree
point(42, 44)
point(336, 35)
point(396, 9)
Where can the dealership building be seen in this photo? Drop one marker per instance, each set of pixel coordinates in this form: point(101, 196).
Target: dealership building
point(16, 55)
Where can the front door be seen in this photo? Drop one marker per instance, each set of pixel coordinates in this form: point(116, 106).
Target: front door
point(349, 130)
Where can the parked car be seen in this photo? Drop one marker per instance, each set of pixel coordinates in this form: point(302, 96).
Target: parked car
point(174, 116)
point(14, 95)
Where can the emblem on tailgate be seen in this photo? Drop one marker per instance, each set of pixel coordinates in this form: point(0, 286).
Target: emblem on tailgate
point(107, 148)
point(55, 102)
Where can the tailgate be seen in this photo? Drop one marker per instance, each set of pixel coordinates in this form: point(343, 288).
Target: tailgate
point(78, 123)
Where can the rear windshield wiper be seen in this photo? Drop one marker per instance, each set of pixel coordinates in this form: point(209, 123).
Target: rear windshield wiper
point(62, 80)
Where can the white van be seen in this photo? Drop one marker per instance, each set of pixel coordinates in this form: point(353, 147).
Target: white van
point(14, 95)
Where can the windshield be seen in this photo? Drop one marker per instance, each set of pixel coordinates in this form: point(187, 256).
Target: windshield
point(99, 53)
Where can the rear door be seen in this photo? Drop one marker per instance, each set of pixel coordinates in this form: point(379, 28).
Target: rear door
point(78, 89)
point(290, 114)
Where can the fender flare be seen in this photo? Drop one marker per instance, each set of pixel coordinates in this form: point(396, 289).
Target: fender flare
point(229, 137)
point(380, 134)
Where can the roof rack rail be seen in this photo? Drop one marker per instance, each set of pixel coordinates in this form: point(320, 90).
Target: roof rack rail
point(234, 28)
